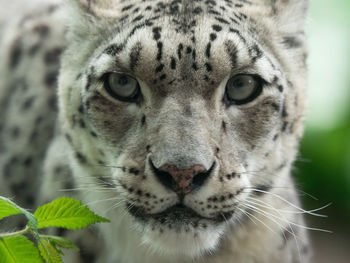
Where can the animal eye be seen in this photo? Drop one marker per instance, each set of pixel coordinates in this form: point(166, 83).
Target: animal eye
point(122, 87)
point(242, 89)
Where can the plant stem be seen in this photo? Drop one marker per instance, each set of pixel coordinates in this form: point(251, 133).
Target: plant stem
point(17, 233)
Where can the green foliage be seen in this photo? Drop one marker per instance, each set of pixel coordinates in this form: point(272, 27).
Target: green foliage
point(67, 213)
point(18, 249)
point(63, 212)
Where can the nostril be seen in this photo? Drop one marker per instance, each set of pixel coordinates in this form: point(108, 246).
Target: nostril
point(164, 178)
point(200, 178)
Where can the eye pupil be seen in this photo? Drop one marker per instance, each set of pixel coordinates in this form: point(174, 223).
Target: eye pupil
point(123, 80)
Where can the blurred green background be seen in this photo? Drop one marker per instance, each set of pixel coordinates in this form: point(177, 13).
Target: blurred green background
point(323, 166)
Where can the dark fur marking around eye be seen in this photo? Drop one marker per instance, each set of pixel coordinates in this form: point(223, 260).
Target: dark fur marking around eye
point(208, 67)
point(291, 42)
point(217, 28)
point(207, 50)
point(173, 63)
point(88, 82)
point(255, 52)
point(231, 50)
point(238, 33)
point(160, 50)
point(179, 50)
point(135, 55)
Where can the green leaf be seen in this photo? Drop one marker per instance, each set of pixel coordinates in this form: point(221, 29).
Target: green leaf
point(7, 208)
point(49, 252)
point(18, 249)
point(66, 213)
point(62, 242)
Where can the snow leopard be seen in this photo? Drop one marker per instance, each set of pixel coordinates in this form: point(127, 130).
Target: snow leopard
point(178, 120)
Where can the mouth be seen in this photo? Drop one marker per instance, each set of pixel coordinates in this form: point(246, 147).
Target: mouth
point(179, 215)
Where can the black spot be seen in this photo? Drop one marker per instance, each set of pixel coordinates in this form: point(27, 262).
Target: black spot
point(284, 126)
point(162, 77)
point(208, 67)
point(42, 30)
point(197, 10)
point(275, 106)
point(15, 54)
point(160, 51)
point(52, 56)
point(194, 66)
point(93, 134)
point(179, 50)
point(27, 104)
point(207, 50)
point(221, 20)
point(50, 78)
point(280, 88)
point(188, 50)
point(173, 63)
point(80, 157)
point(143, 120)
point(138, 18)
point(156, 33)
point(275, 137)
point(28, 161)
point(224, 126)
point(217, 28)
point(113, 49)
point(160, 68)
point(125, 8)
point(212, 36)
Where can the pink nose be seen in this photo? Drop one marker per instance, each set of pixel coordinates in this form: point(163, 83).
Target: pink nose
point(182, 179)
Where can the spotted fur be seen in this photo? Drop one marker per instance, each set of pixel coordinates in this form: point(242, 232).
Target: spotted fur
point(182, 53)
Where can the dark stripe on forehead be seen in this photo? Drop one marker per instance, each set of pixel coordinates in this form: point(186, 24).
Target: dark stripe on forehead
point(135, 55)
point(114, 49)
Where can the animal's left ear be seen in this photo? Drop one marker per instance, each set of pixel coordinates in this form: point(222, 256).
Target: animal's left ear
point(99, 8)
point(289, 15)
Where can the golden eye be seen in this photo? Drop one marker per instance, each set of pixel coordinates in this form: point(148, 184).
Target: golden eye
point(122, 87)
point(242, 89)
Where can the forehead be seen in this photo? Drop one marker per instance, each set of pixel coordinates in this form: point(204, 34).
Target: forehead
point(160, 41)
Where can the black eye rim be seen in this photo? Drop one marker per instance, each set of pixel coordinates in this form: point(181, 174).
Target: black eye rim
point(135, 98)
point(252, 97)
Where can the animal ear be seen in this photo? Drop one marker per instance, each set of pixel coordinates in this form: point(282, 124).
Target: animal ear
point(289, 15)
point(98, 8)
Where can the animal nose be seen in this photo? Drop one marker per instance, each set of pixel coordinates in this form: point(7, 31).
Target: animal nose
point(182, 181)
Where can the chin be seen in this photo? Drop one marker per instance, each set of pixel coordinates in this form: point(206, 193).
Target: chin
point(182, 241)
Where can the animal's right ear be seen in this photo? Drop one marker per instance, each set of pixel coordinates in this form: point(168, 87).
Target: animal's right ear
point(87, 17)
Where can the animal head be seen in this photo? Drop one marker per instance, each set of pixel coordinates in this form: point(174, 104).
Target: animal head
point(183, 108)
